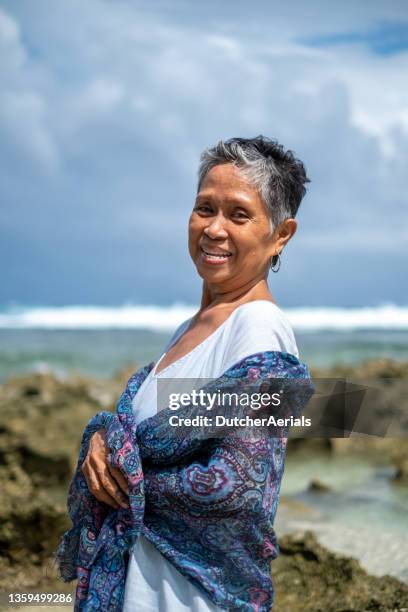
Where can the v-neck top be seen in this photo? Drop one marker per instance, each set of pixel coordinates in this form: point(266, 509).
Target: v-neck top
point(251, 328)
point(153, 584)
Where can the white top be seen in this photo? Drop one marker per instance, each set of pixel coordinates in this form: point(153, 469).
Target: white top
point(153, 584)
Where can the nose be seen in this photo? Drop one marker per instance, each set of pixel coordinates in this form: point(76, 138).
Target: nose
point(215, 228)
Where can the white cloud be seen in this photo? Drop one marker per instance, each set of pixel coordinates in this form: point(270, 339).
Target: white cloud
point(101, 95)
point(24, 105)
point(11, 51)
point(115, 111)
point(375, 86)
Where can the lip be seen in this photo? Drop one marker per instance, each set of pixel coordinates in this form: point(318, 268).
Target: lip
point(212, 251)
point(215, 261)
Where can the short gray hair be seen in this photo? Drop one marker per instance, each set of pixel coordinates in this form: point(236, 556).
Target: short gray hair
point(277, 174)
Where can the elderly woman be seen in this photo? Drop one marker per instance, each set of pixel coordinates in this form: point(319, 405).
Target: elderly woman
point(194, 523)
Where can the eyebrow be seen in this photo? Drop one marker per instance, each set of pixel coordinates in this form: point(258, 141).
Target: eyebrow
point(243, 202)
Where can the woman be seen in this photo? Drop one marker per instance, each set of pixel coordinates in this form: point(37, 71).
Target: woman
point(249, 191)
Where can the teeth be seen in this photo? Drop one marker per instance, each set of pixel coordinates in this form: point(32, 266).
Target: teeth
point(217, 255)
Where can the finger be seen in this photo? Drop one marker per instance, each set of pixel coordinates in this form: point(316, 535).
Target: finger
point(103, 485)
point(111, 487)
point(96, 488)
point(119, 477)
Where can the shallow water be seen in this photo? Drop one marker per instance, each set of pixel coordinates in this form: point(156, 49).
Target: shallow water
point(364, 515)
point(104, 352)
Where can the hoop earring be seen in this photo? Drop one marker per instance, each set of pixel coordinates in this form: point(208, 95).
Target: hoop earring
point(275, 260)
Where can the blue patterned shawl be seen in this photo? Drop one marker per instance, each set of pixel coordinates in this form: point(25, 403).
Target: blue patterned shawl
point(207, 505)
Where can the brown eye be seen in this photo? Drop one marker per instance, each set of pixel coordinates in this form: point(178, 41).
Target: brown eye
point(203, 208)
point(241, 216)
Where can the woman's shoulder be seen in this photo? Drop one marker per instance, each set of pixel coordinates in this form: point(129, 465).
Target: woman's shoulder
point(256, 327)
point(177, 333)
point(265, 307)
point(261, 314)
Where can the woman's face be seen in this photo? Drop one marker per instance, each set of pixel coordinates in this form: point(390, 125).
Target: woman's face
point(230, 238)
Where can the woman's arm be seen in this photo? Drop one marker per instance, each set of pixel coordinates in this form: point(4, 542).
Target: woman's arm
point(108, 484)
point(104, 481)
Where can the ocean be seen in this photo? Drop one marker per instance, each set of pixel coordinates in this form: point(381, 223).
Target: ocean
point(363, 514)
point(100, 341)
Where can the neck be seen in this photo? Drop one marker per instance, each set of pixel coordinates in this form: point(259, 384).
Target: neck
point(255, 289)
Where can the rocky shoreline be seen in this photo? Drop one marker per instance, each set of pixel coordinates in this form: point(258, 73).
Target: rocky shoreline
point(41, 421)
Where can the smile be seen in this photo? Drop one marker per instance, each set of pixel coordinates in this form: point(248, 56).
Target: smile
point(216, 256)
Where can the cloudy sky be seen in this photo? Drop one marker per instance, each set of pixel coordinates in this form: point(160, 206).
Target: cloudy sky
point(106, 106)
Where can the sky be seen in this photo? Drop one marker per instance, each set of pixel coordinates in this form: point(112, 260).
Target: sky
point(106, 105)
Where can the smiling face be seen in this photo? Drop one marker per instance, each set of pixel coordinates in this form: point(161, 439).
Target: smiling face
point(230, 238)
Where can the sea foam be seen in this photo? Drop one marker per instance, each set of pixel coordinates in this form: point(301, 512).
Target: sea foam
point(167, 318)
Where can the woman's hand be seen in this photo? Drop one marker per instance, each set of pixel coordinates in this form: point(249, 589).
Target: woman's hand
point(105, 482)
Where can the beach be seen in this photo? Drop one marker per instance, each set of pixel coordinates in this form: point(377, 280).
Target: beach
point(163, 163)
point(341, 521)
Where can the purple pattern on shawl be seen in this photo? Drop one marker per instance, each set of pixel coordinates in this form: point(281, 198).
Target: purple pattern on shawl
point(207, 505)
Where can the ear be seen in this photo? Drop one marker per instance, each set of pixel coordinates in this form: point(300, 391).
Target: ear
point(283, 234)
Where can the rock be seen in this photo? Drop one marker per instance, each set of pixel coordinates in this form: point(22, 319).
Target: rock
point(374, 368)
point(32, 530)
point(31, 519)
point(41, 422)
point(309, 445)
point(294, 505)
point(310, 578)
point(376, 402)
point(317, 486)
point(400, 461)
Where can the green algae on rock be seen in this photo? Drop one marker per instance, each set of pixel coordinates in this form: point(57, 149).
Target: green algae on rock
point(41, 423)
point(310, 578)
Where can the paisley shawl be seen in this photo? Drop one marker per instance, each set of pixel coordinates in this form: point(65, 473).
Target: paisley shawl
point(208, 505)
